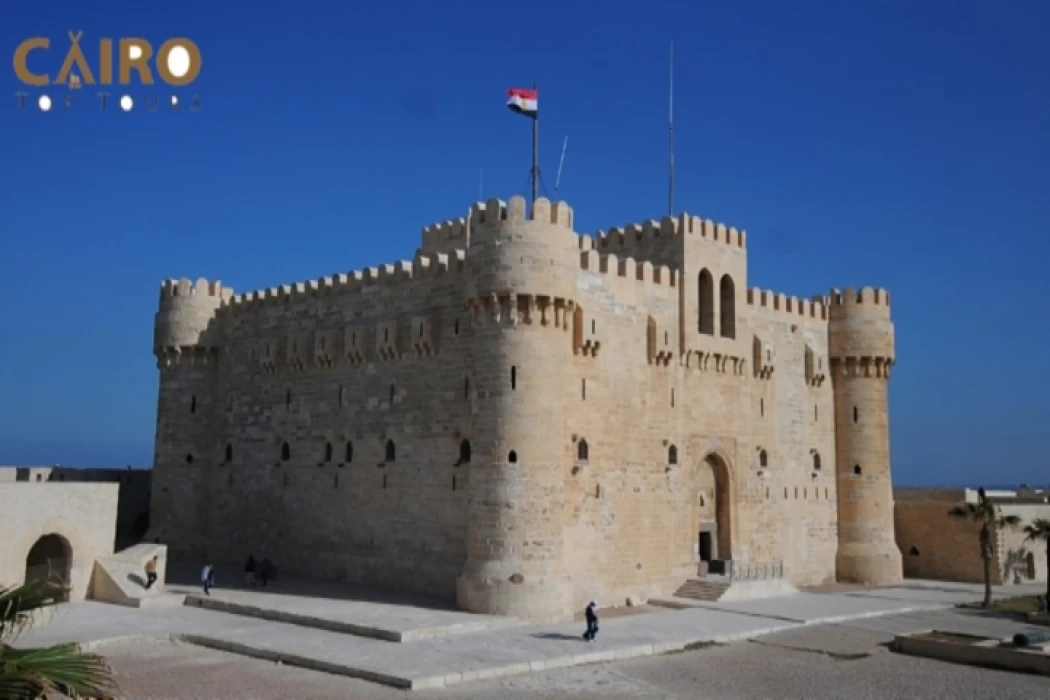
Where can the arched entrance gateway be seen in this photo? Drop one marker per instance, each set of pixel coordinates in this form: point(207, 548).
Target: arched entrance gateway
point(50, 559)
point(715, 530)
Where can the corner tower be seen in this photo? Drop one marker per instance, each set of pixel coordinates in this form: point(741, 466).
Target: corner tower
point(861, 350)
point(520, 289)
point(186, 346)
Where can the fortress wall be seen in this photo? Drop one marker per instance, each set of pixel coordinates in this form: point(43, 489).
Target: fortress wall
point(445, 237)
point(624, 511)
point(791, 416)
point(308, 365)
point(659, 242)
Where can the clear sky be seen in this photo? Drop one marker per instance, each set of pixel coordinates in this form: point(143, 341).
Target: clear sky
point(893, 143)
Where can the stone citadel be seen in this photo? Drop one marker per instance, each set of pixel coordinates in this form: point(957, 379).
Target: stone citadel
point(527, 419)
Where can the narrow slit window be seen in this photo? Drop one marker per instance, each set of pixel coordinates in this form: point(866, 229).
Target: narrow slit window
point(514, 377)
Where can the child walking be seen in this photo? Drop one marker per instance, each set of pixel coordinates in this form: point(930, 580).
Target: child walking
point(592, 621)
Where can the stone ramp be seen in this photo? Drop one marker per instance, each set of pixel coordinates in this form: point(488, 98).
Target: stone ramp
point(120, 579)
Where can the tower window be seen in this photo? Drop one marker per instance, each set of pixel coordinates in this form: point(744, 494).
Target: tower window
point(466, 387)
point(761, 407)
point(856, 414)
point(512, 457)
point(189, 459)
point(857, 471)
point(514, 377)
point(457, 327)
point(815, 414)
point(287, 398)
point(390, 451)
point(349, 456)
point(391, 392)
point(672, 398)
point(816, 461)
point(672, 455)
point(593, 326)
point(286, 452)
point(582, 450)
point(229, 453)
point(328, 452)
point(464, 452)
point(193, 404)
point(583, 388)
point(763, 459)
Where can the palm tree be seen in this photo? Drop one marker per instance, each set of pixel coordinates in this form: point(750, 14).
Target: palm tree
point(989, 516)
point(29, 674)
point(1038, 531)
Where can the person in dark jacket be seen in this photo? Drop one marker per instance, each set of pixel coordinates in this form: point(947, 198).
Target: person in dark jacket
point(592, 621)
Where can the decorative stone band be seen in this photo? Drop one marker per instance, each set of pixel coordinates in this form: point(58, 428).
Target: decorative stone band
point(521, 309)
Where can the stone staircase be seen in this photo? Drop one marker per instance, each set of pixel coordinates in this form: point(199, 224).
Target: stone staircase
point(711, 588)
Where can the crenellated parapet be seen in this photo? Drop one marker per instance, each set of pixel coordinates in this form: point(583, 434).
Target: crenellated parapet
point(428, 266)
point(861, 334)
point(764, 299)
point(522, 310)
point(628, 277)
point(446, 235)
point(183, 324)
point(649, 235)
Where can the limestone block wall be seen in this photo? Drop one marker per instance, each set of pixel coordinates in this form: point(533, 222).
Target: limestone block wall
point(327, 435)
point(83, 515)
point(937, 547)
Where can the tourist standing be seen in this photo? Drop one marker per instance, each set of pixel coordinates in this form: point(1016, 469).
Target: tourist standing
point(249, 571)
point(151, 572)
point(208, 578)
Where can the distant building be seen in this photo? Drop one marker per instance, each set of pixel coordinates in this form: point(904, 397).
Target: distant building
point(935, 546)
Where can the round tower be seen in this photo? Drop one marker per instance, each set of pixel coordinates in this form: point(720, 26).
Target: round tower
point(185, 343)
point(861, 350)
point(521, 276)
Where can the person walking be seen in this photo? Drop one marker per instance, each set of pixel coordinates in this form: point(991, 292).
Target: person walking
point(264, 571)
point(151, 572)
point(208, 578)
point(591, 613)
point(249, 571)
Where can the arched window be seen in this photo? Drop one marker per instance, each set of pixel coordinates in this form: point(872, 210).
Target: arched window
point(512, 457)
point(857, 471)
point(189, 459)
point(763, 459)
point(672, 455)
point(390, 451)
point(229, 453)
point(328, 452)
point(706, 302)
point(816, 461)
point(286, 452)
point(581, 450)
point(464, 452)
point(349, 456)
point(727, 306)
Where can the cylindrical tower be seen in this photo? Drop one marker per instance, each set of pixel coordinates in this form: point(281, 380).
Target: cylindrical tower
point(520, 285)
point(861, 349)
point(184, 341)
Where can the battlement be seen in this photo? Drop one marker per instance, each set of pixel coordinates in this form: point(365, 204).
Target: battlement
point(181, 288)
point(446, 234)
point(815, 308)
point(868, 296)
point(635, 236)
point(629, 269)
point(516, 211)
point(424, 266)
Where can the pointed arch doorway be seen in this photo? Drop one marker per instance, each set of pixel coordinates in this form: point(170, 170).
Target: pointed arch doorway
point(715, 527)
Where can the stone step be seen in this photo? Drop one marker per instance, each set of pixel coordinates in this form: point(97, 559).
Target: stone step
point(700, 589)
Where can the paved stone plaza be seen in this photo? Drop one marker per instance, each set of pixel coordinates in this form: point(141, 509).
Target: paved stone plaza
point(868, 618)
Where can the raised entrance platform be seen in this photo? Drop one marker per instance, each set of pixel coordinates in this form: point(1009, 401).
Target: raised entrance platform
point(332, 606)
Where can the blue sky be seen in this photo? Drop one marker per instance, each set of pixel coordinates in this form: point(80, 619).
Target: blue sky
point(890, 143)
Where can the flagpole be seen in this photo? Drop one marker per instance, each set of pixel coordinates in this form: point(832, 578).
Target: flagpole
point(670, 139)
point(536, 147)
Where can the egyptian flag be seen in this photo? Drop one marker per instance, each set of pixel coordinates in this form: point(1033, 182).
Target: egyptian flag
point(522, 101)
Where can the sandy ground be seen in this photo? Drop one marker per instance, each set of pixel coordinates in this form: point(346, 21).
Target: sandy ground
point(744, 670)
